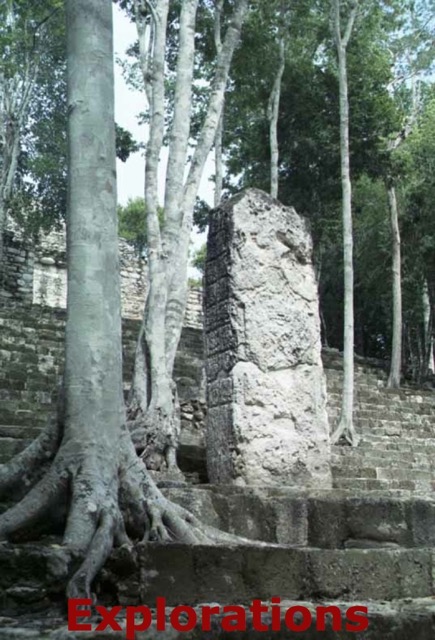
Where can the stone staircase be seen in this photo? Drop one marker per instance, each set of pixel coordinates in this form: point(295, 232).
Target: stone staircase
point(31, 358)
point(31, 364)
point(397, 428)
point(350, 545)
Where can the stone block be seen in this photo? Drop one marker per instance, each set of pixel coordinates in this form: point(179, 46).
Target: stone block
point(261, 318)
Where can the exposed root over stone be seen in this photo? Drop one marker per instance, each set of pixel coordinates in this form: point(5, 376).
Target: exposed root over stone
point(28, 466)
point(108, 504)
point(345, 431)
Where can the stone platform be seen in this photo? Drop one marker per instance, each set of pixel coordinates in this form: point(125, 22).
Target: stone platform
point(397, 428)
point(396, 620)
point(322, 547)
point(370, 540)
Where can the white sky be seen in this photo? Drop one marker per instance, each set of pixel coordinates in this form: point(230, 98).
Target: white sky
point(128, 104)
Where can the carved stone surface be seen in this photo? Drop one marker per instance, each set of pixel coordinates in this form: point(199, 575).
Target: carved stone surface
point(267, 421)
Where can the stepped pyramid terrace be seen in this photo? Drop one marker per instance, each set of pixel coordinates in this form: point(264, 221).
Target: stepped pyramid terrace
point(341, 526)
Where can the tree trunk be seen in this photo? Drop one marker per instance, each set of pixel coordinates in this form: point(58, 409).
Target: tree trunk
point(153, 409)
point(345, 426)
point(86, 459)
point(273, 113)
point(428, 330)
point(396, 348)
point(14, 106)
point(2, 232)
point(7, 175)
point(219, 170)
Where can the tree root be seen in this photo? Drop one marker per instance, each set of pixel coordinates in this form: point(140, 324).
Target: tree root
point(99, 550)
point(26, 468)
point(107, 506)
point(347, 431)
point(35, 504)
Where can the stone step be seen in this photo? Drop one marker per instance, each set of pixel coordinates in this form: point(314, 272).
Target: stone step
point(372, 388)
point(10, 446)
point(372, 484)
point(396, 435)
point(242, 574)
point(397, 620)
point(417, 475)
point(374, 455)
point(234, 574)
point(19, 432)
point(383, 442)
point(390, 414)
point(23, 417)
point(350, 467)
point(26, 396)
point(353, 471)
point(36, 334)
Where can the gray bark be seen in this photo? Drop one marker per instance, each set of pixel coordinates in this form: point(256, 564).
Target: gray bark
point(396, 347)
point(428, 332)
point(93, 357)
point(156, 425)
point(273, 113)
point(89, 427)
point(218, 161)
point(94, 471)
point(219, 170)
point(15, 95)
point(345, 426)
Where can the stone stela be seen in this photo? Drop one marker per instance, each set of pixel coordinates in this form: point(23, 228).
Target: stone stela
point(267, 422)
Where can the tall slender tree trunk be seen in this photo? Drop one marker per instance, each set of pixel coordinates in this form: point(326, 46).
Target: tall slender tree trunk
point(7, 176)
point(153, 409)
point(345, 426)
point(396, 348)
point(273, 114)
point(428, 330)
point(218, 161)
point(218, 144)
point(2, 233)
point(14, 107)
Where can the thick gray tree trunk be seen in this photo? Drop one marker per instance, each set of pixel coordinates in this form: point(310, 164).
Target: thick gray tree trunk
point(93, 362)
point(396, 346)
point(153, 405)
point(86, 459)
point(345, 426)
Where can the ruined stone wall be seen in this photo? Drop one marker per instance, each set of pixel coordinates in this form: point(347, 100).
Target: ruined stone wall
point(50, 280)
point(17, 282)
point(37, 275)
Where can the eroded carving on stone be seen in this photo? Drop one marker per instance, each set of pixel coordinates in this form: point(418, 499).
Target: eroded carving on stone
point(267, 421)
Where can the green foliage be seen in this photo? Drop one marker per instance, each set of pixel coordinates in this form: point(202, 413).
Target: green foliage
point(132, 222)
point(200, 214)
point(32, 40)
point(199, 257)
point(125, 143)
point(392, 44)
point(194, 283)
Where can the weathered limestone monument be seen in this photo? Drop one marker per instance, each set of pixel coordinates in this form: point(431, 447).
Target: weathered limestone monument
point(267, 421)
